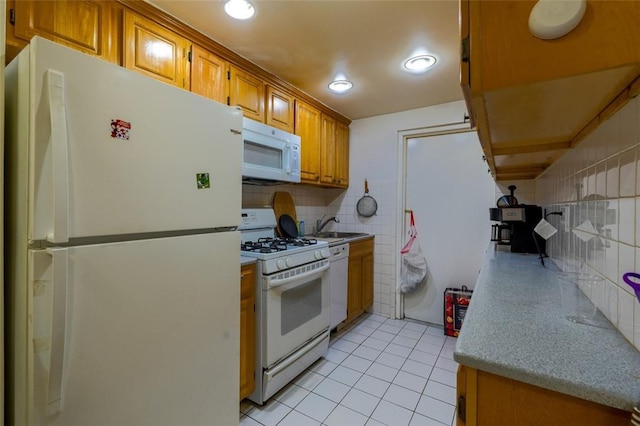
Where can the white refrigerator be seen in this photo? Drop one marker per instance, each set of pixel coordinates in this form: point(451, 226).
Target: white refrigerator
point(123, 267)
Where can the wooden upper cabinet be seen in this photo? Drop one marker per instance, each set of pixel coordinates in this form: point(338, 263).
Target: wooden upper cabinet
point(247, 92)
point(507, 54)
point(155, 51)
point(309, 128)
point(334, 153)
point(88, 26)
point(342, 155)
point(465, 53)
point(534, 99)
point(208, 74)
point(280, 109)
point(328, 150)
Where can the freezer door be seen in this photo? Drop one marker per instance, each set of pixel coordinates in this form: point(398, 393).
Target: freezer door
point(114, 152)
point(139, 333)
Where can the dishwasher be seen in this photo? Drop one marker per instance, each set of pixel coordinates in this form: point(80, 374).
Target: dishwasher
point(338, 277)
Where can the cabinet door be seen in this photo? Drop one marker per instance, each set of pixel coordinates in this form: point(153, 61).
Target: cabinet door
point(247, 330)
point(155, 51)
point(85, 25)
point(360, 286)
point(309, 128)
point(342, 155)
point(328, 150)
point(367, 280)
point(247, 92)
point(208, 74)
point(354, 289)
point(465, 59)
point(487, 399)
point(280, 109)
point(466, 397)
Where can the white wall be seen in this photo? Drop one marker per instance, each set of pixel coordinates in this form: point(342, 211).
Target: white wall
point(599, 181)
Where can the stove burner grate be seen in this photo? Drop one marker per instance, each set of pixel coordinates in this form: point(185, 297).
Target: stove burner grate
point(272, 245)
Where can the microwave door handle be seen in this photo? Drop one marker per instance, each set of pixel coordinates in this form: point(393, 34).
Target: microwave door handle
point(287, 159)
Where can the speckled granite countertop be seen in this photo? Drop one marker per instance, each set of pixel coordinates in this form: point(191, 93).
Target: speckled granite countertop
point(515, 327)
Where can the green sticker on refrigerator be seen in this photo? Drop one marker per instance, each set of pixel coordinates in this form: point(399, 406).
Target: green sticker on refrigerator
point(203, 180)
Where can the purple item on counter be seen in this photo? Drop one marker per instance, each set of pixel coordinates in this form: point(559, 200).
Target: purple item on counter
point(635, 285)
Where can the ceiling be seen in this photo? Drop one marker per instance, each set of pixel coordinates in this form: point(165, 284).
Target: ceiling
point(309, 42)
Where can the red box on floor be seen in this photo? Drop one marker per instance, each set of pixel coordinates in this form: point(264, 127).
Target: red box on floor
point(456, 303)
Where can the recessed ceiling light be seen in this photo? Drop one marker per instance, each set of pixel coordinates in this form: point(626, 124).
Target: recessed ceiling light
point(340, 86)
point(239, 9)
point(419, 63)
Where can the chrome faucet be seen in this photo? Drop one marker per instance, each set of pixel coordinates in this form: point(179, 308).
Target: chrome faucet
point(320, 224)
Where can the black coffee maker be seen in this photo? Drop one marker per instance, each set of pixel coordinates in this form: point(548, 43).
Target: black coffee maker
point(517, 222)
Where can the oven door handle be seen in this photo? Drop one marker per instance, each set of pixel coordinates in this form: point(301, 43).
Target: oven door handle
point(272, 283)
point(274, 371)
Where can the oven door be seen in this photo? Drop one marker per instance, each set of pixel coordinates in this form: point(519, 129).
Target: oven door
point(295, 309)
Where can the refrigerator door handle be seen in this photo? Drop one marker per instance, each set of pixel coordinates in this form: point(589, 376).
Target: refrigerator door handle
point(58, 329)
point(59, 145)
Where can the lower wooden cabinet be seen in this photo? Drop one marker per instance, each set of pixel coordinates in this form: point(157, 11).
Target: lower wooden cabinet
point(360, 285)
point(247, 330)
point(488, 399)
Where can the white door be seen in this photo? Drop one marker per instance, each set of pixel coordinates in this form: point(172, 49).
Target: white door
point(144, 332)
point(450, 192)
point(124, 153)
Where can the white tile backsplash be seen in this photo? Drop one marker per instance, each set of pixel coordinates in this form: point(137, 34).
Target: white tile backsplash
point(628, 173)
point(627, 220)
point(312, 203)
point(625, 314)
point(599, 181)
point(612, 179)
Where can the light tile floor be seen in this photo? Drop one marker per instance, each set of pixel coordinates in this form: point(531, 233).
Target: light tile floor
point(378, 371)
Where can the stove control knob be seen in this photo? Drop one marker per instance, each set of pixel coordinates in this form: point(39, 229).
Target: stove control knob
point(289, 262)
point(320, 254)
point(281, 264)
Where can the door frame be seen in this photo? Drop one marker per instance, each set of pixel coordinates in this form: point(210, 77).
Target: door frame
point(401, 196)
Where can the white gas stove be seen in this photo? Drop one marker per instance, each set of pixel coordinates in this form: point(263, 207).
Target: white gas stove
point(292, 301)
point(278, 254)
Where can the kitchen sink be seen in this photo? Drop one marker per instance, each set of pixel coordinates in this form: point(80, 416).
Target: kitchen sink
point(336, 234)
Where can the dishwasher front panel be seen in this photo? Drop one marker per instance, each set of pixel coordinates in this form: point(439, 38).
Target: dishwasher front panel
point(338, 277)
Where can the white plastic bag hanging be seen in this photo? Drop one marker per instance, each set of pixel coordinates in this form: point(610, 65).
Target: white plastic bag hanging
point(413, 268)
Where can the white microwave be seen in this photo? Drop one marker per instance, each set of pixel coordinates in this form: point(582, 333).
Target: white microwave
point(269, 154)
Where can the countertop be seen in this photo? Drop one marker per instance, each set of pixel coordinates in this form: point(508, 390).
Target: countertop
point(245, 260)
point(516, 328)
point(337, 241)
